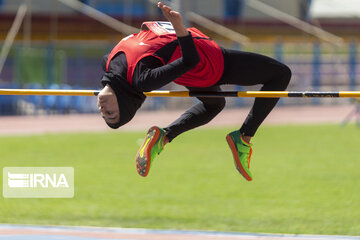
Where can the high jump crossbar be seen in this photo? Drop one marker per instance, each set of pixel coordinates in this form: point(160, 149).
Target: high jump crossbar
point(260, 94)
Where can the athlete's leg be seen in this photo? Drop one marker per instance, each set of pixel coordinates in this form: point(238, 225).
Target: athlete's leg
point(246, 69)
point(198, 115)
point(156, 138)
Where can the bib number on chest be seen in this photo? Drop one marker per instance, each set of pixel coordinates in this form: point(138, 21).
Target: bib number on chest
point(159, 27)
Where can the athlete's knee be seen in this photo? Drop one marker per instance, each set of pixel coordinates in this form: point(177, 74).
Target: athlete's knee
point(284, 75)
point(216, 104)
point(221, 103)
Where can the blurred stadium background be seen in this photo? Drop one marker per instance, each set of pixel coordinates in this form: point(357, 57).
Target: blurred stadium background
point(306, 181)
point(60, 44)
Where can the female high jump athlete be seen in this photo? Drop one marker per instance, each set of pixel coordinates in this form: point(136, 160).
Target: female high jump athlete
point(165, 52)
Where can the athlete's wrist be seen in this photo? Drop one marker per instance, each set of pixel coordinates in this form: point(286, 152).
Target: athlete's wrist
point(181, 31)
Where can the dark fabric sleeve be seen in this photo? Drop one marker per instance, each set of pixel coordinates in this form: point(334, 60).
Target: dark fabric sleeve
point(197, 115)
point(150, 74)
point(117, 67)
point(189, 52)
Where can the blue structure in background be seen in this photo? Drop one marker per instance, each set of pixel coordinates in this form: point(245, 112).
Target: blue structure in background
point(80, 75)
point(8, 104)
point(352, 64)
point(316, 69)
point(50, 63)
point(36, 101)
point(233, 9)
point(134, 8)
point(305, 10)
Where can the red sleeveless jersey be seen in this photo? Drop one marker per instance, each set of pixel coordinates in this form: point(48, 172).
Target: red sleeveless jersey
point(137, 46)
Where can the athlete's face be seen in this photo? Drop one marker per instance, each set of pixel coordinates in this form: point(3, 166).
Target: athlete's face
point(108, 105)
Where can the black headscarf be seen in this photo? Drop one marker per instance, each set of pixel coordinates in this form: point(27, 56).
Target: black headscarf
point(129, 100)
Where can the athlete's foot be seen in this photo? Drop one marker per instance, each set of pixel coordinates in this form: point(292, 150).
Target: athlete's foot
point(154, 143)
point(241, 150)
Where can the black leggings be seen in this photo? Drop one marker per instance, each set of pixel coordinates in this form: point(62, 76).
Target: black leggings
point(243, 69)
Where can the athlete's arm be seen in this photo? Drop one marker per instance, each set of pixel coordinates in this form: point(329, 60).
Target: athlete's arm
point(186, 43)
point(150, 74)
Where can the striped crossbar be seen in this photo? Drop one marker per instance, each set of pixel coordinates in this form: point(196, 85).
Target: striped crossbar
point(260, 94)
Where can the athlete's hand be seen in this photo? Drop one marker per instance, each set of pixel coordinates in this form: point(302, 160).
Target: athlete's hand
point(175, 19)
point(171, 15)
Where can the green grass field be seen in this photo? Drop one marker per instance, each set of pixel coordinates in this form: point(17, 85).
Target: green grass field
point(306, 180)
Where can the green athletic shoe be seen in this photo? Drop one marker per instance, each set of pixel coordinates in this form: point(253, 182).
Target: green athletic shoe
point(241, 151)
point(152, 146)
